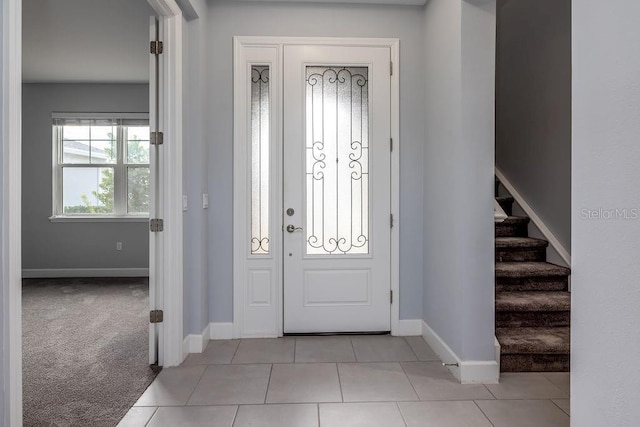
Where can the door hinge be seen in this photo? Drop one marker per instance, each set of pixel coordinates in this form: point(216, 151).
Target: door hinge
point(391, 67)
point(391, 144)
point(156, 47)
point(391, 297)
point(391, 220)
point(156, 138)
point(156, 225)
point(156, 316)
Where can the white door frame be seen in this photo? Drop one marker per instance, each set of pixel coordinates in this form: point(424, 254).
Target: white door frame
point(11, 210)
point(166, 259)
point(170, 249)
point(240, 258)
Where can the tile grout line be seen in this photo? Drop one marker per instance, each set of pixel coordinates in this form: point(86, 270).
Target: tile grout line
point(235, 415)
point(339, 384)
point(149, 420)
point(295, 346)
point(235, 352)
point(197, 384)
point(485, 415)
point(404, 420)
point(551, 382)
point(268, 384)
point(355, 356)
point(489, 390)
point(410, 382)
point(569, 415)
point(412, 350)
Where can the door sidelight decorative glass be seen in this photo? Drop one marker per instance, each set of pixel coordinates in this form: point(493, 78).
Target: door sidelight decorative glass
point(260, 160)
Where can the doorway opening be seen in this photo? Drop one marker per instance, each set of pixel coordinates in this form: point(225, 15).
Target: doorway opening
point(167, 247)
point(86, 176)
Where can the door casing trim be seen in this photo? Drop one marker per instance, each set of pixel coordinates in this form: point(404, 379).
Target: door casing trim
point(239, 196)
point(166, 255)
point(12, 211)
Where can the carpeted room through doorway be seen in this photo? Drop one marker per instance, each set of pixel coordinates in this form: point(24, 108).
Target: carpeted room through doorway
point(85, 349)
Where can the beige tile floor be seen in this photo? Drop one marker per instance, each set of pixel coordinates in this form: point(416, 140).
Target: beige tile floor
point(341, 381)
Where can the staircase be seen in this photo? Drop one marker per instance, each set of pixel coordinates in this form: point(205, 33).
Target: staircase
point(532, 300)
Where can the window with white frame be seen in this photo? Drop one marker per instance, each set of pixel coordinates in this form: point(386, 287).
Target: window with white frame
point(101, 165)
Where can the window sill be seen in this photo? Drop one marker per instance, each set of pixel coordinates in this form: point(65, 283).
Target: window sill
point(97, 218)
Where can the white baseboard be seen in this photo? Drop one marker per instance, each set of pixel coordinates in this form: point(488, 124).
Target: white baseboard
point(409, 327)
point(196, 343)
point(203, 340)
point(221, 331)
point(46, 273)
point(468, 371)
point(186, 345)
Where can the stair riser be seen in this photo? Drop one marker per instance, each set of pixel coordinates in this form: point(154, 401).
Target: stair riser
point(534, 363)
point(511, 230)
point(532, 319)
point(507, 206)
point(532, 284)
point(521, 255)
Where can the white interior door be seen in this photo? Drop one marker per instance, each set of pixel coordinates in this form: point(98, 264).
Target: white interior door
point(337, 231)
point(154, 194)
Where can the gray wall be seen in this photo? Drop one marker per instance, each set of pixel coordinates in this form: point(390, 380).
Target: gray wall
point(605, 337)
point(227, 19)
point(48, 245)
point(458, 175)
point(196, 168)
point(533, 106)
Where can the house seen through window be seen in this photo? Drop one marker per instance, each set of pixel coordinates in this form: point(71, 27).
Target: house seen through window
point(102, 166)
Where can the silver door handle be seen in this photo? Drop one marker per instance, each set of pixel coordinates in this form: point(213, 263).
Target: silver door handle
point(291, 228)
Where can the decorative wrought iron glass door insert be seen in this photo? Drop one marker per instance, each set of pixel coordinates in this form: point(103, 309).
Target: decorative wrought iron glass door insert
point(337, 151)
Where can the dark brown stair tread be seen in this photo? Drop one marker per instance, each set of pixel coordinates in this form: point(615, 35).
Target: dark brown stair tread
point(555, 362)
point(520, 243)
point(514, 220)
point(530, 269)
point(533, 301)
point(534, 340)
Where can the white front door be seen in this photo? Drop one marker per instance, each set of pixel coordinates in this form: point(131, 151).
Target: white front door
point(337, 190)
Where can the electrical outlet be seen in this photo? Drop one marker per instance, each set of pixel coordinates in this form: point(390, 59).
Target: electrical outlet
point(185, 203)
point(205, 200)
point(118, 246)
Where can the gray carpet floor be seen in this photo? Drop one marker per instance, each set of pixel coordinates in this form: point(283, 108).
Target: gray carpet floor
point(85, 350)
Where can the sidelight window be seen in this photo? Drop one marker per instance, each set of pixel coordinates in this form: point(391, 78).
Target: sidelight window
point(260, 146)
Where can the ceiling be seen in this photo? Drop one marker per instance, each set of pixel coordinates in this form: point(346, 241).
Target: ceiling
point(86, 41)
